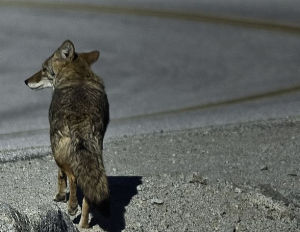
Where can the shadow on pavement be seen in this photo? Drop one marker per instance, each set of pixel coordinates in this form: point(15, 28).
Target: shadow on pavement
point(122, 189)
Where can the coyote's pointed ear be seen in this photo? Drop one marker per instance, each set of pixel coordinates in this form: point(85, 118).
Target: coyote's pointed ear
point(67, 50)
point(90, 57)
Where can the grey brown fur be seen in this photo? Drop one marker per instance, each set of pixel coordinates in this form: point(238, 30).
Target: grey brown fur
point(78, 116)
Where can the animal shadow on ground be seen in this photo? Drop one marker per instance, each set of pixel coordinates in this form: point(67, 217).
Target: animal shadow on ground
point(122, 189)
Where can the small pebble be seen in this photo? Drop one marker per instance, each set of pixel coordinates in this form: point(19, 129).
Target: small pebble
point(196, 178)
point(237, 190)
point(157, 201)
point(264, 168)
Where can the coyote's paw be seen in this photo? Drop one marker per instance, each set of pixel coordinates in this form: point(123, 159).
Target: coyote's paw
point(60, 197)
point(84, 225)
point(72, 210)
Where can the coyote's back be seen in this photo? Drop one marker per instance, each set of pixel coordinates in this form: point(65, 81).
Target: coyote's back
point(79, 113)
point(78, 116)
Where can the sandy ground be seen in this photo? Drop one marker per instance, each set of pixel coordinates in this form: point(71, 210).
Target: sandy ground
point(242, 177)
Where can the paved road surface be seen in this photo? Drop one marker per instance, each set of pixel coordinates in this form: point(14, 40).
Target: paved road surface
point(152, 65)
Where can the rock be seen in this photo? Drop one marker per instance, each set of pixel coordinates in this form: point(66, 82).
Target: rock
point(264, 168)
point(197, 178)
point(157, 201)
point(52, 219)
point(11, 220)
point(237, 190)
point(47, 218)
point(139, 188)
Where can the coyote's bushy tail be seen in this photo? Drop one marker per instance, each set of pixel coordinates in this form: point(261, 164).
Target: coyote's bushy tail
point(90, 174)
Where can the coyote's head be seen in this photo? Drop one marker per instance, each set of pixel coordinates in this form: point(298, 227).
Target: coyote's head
point(52, 67)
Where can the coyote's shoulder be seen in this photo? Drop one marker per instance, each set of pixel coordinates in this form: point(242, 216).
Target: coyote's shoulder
point(79, 100)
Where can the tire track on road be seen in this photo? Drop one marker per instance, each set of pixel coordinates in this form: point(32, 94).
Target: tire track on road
point(254, 97)
point(169, 14)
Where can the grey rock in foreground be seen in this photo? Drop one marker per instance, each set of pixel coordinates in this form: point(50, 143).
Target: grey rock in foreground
point(52, 218)
point(47, 218)
point(12, 220)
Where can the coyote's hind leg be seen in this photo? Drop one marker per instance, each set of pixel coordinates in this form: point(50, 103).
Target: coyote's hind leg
point(73, 202)
point(62, 186)
point(84, 220)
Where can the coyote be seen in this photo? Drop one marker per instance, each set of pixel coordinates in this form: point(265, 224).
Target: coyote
point(78, 116)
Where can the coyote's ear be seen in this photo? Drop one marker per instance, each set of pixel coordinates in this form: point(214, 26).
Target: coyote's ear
point(90, 57)
point(67, 50)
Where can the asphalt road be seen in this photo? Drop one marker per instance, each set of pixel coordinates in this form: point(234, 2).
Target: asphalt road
point(161, 73)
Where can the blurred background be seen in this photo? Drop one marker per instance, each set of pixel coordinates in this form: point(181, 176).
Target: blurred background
point(167, 64)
